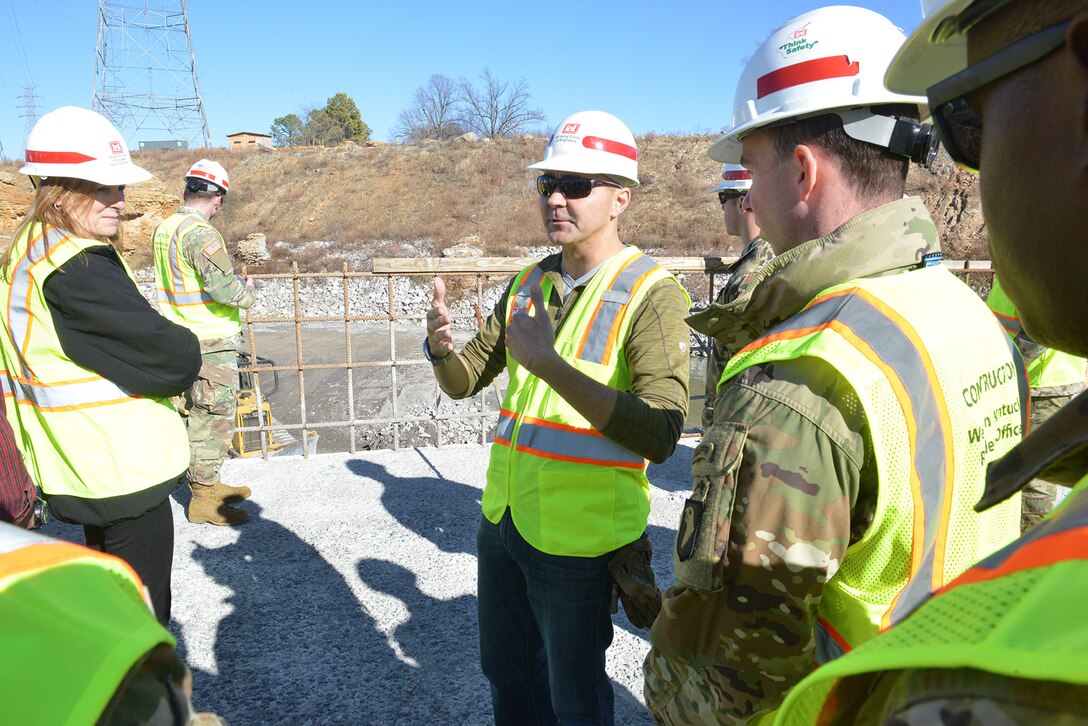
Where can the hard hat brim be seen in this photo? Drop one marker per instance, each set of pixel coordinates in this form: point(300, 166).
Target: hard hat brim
point(121, 175)
point(727, 149)
point(576, 167)
point(731, 186)
point(920, 63)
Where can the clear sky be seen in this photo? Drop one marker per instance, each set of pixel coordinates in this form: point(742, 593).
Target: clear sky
point(666, 67)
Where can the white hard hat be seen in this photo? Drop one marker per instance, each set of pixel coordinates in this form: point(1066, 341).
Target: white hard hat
point(76, 143)
point(828, 60)
point(734, 178)
point(592, 142)
point(937, 48)
point(210, 171)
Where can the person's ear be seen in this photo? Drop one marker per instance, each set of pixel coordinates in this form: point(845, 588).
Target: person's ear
point(808, 168)
point(620, 201)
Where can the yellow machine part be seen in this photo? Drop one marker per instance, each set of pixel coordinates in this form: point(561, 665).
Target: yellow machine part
point(248, 443)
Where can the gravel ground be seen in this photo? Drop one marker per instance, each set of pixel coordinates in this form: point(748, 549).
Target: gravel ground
point(349, 596)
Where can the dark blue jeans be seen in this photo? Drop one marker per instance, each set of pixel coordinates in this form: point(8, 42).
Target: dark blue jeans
point(545, 624)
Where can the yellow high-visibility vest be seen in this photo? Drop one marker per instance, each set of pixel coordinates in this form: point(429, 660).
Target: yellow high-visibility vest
point(72, 623)
point(1017, 613)
point(182, 298)
point(1052, 368)
point(570, 490)
point(936, 418)
point(81, 434)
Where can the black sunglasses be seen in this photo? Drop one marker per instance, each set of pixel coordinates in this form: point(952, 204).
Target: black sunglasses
point(959, 125)
point(725, 195)
point(571, 187)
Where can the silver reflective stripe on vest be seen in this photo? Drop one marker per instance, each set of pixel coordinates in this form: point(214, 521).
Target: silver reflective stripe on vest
point(827, 649)
point(504, 431)
point(902, 360)
point(522, 298)
point(557, 441)
point(184, 298)
point(65, 395)
point(177, 277)
point(1010, 325)
point(614, 302)
point(561, 441)
point(1023, 384)
point(91, 390)
point(172, 296)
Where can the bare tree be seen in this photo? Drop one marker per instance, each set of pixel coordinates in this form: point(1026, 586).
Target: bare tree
point(433, 113)
point(497, 109)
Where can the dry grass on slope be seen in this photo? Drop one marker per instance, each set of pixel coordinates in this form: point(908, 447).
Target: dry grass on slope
point(405, 200)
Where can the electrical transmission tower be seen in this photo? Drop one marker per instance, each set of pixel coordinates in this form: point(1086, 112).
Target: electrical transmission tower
point(30, 107)
point(145, 77)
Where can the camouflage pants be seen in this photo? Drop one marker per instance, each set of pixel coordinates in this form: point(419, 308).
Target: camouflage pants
point(211, 402)
point(1037, 498)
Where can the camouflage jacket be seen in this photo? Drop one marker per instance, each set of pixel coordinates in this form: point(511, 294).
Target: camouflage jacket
point(790, 450)
point(216, 269)
point(741, 274)
point(1057, 451)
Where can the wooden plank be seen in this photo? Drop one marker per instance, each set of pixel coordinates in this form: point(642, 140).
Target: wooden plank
point(510, 265)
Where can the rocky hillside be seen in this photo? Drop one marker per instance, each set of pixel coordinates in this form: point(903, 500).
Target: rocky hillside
point(323, 207)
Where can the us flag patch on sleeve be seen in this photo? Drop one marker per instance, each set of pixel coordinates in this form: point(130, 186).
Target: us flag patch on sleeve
point(211, 248)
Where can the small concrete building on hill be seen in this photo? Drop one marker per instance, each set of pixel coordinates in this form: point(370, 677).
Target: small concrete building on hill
point(250, 141)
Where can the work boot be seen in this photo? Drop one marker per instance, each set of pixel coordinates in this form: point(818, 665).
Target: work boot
point(231, 494)
point(206, 507)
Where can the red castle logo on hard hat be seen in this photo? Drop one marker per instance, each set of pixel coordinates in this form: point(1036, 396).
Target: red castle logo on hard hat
point(800, 32)
point(571, 128)
point(116, 148)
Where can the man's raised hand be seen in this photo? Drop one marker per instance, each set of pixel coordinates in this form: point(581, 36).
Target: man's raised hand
point(531, 340)
point(439, 322)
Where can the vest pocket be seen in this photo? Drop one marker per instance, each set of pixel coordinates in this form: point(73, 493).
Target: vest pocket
point(702, 539)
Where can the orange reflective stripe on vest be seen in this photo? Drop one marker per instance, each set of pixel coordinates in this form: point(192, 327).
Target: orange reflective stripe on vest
point(173, 292)
point(24, 385)
point(21, 558)
point(1009, 324)
point(557, 441)
point(522, 299)
point(890, 343)
point(1060, 537)
point(599, 341)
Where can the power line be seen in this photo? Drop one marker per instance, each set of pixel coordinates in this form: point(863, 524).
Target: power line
point(19, 41)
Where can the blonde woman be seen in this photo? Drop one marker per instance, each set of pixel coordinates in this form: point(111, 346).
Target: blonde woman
point(89, 365)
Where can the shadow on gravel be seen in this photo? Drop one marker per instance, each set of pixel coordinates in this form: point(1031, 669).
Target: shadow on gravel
point(441, 637)
point(297, 648)
point(675, 474)
point(442, 511)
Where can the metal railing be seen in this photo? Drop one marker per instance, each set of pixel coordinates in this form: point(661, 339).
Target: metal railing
point(482, 275)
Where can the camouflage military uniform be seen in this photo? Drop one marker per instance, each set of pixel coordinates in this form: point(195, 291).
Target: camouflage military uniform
point(790, 449)
point(741, 274)
point(211, 399)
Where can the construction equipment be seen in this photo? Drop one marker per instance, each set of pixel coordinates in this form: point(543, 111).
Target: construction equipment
point(248, 415)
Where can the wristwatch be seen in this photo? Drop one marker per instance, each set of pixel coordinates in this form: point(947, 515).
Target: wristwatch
point(430, 356)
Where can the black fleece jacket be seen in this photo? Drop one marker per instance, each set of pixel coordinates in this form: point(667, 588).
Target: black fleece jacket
point(106, 325)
